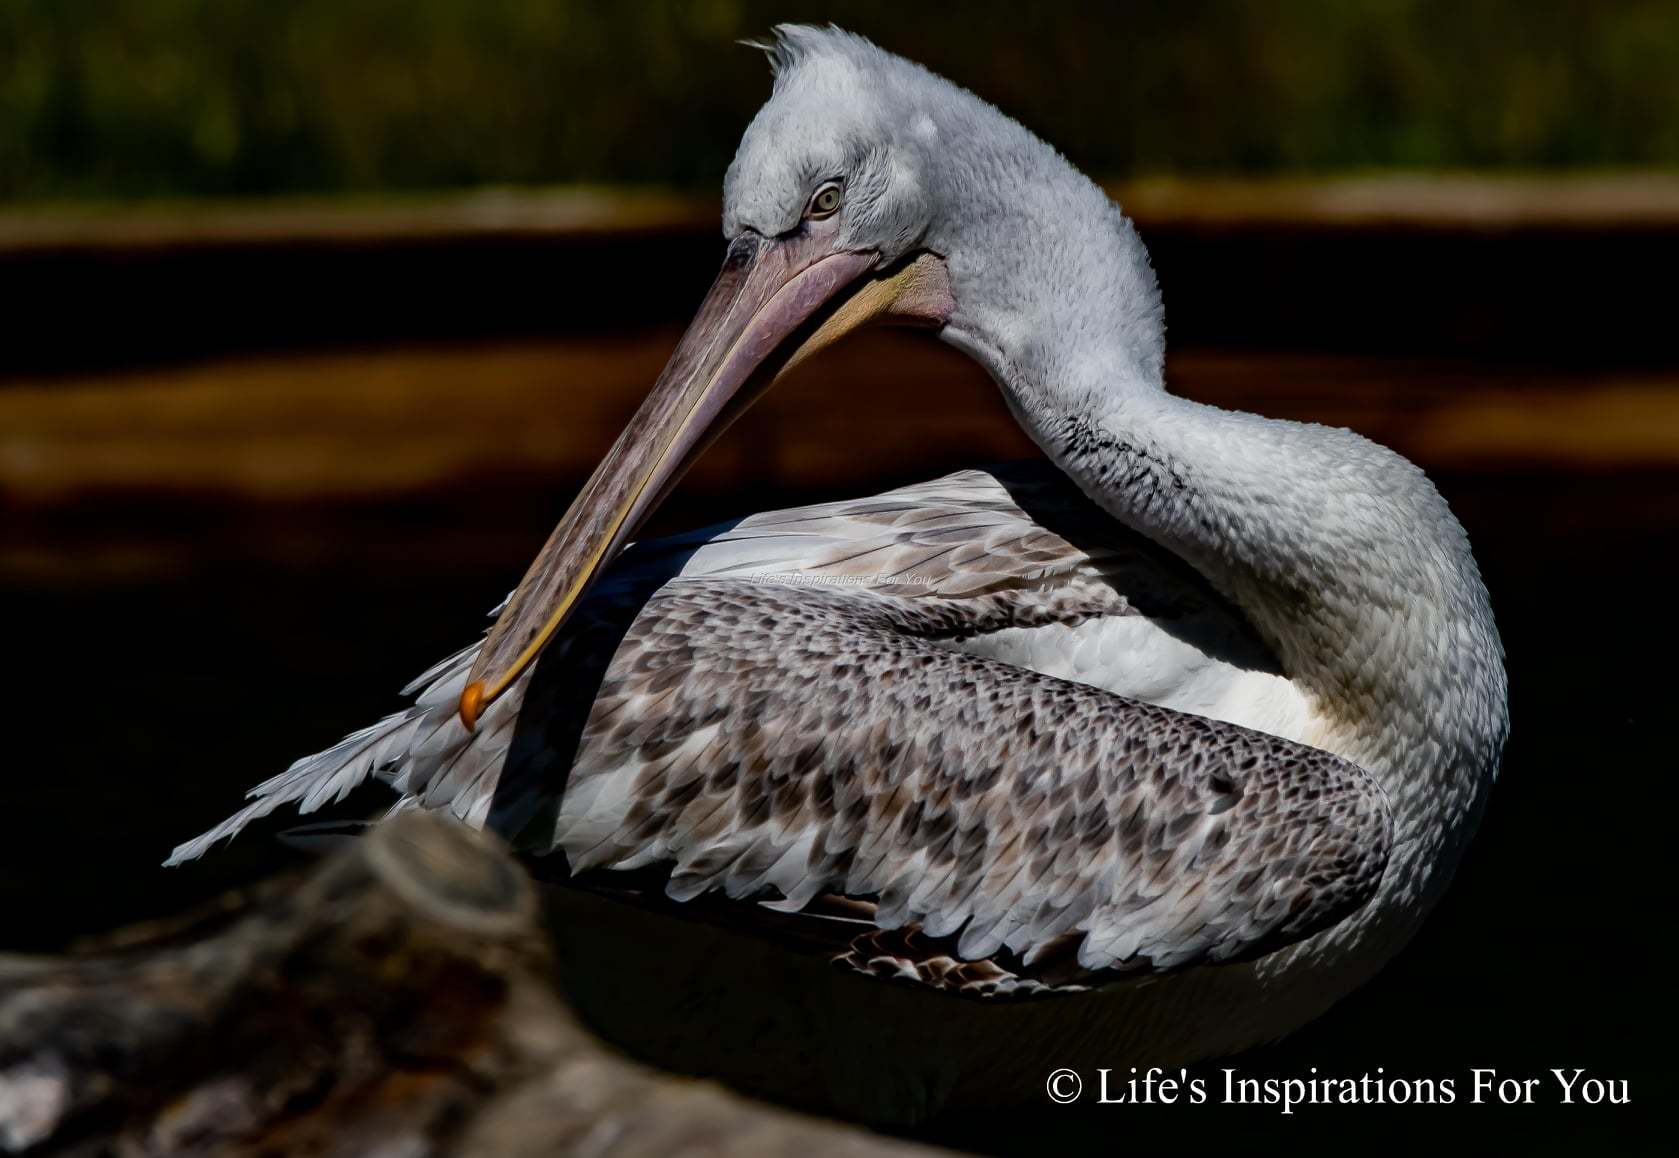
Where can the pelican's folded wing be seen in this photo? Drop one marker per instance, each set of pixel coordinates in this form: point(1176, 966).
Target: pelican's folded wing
point(960, 535)
point(792, 743)
point(778, 710)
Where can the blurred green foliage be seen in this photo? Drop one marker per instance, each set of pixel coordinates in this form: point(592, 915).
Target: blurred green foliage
point(188, 97)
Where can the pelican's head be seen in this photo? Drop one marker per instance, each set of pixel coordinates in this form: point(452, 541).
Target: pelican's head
point(866, 189)
point(862, 152)
point(835, 156)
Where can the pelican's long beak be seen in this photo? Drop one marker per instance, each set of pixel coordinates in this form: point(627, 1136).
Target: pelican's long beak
point(769, 291)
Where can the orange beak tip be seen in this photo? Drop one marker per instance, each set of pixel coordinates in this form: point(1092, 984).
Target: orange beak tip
point(472, 704)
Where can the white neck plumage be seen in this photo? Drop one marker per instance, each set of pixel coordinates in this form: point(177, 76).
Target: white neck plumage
point(1341, 553)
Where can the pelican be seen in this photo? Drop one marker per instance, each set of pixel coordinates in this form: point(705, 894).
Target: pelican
point(1143, 753)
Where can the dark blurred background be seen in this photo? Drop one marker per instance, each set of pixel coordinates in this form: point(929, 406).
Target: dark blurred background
point(317, 313)
point(189, 98)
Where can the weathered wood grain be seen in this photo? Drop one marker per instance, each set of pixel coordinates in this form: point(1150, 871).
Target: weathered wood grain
point(396, 1001)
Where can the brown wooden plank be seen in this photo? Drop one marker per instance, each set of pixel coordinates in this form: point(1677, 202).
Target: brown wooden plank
point(1410, 200)
point(439, 453)
point(385, 423)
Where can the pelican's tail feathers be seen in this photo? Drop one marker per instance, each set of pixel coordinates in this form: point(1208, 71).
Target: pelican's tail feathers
point(421, 751)
point(315, 781)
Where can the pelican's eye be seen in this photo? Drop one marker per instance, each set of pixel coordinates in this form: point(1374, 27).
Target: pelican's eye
point(824, 201)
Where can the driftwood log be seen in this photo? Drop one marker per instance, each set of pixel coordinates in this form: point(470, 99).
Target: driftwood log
point(397, 1001)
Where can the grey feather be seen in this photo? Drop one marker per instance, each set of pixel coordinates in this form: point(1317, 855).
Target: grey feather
point(782, 735)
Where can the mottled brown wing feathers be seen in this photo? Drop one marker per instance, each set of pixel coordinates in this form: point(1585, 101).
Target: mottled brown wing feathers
point(783, 742)
point(787, 722)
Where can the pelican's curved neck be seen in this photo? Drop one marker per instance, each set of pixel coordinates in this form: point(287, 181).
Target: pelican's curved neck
point(1342, 554)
